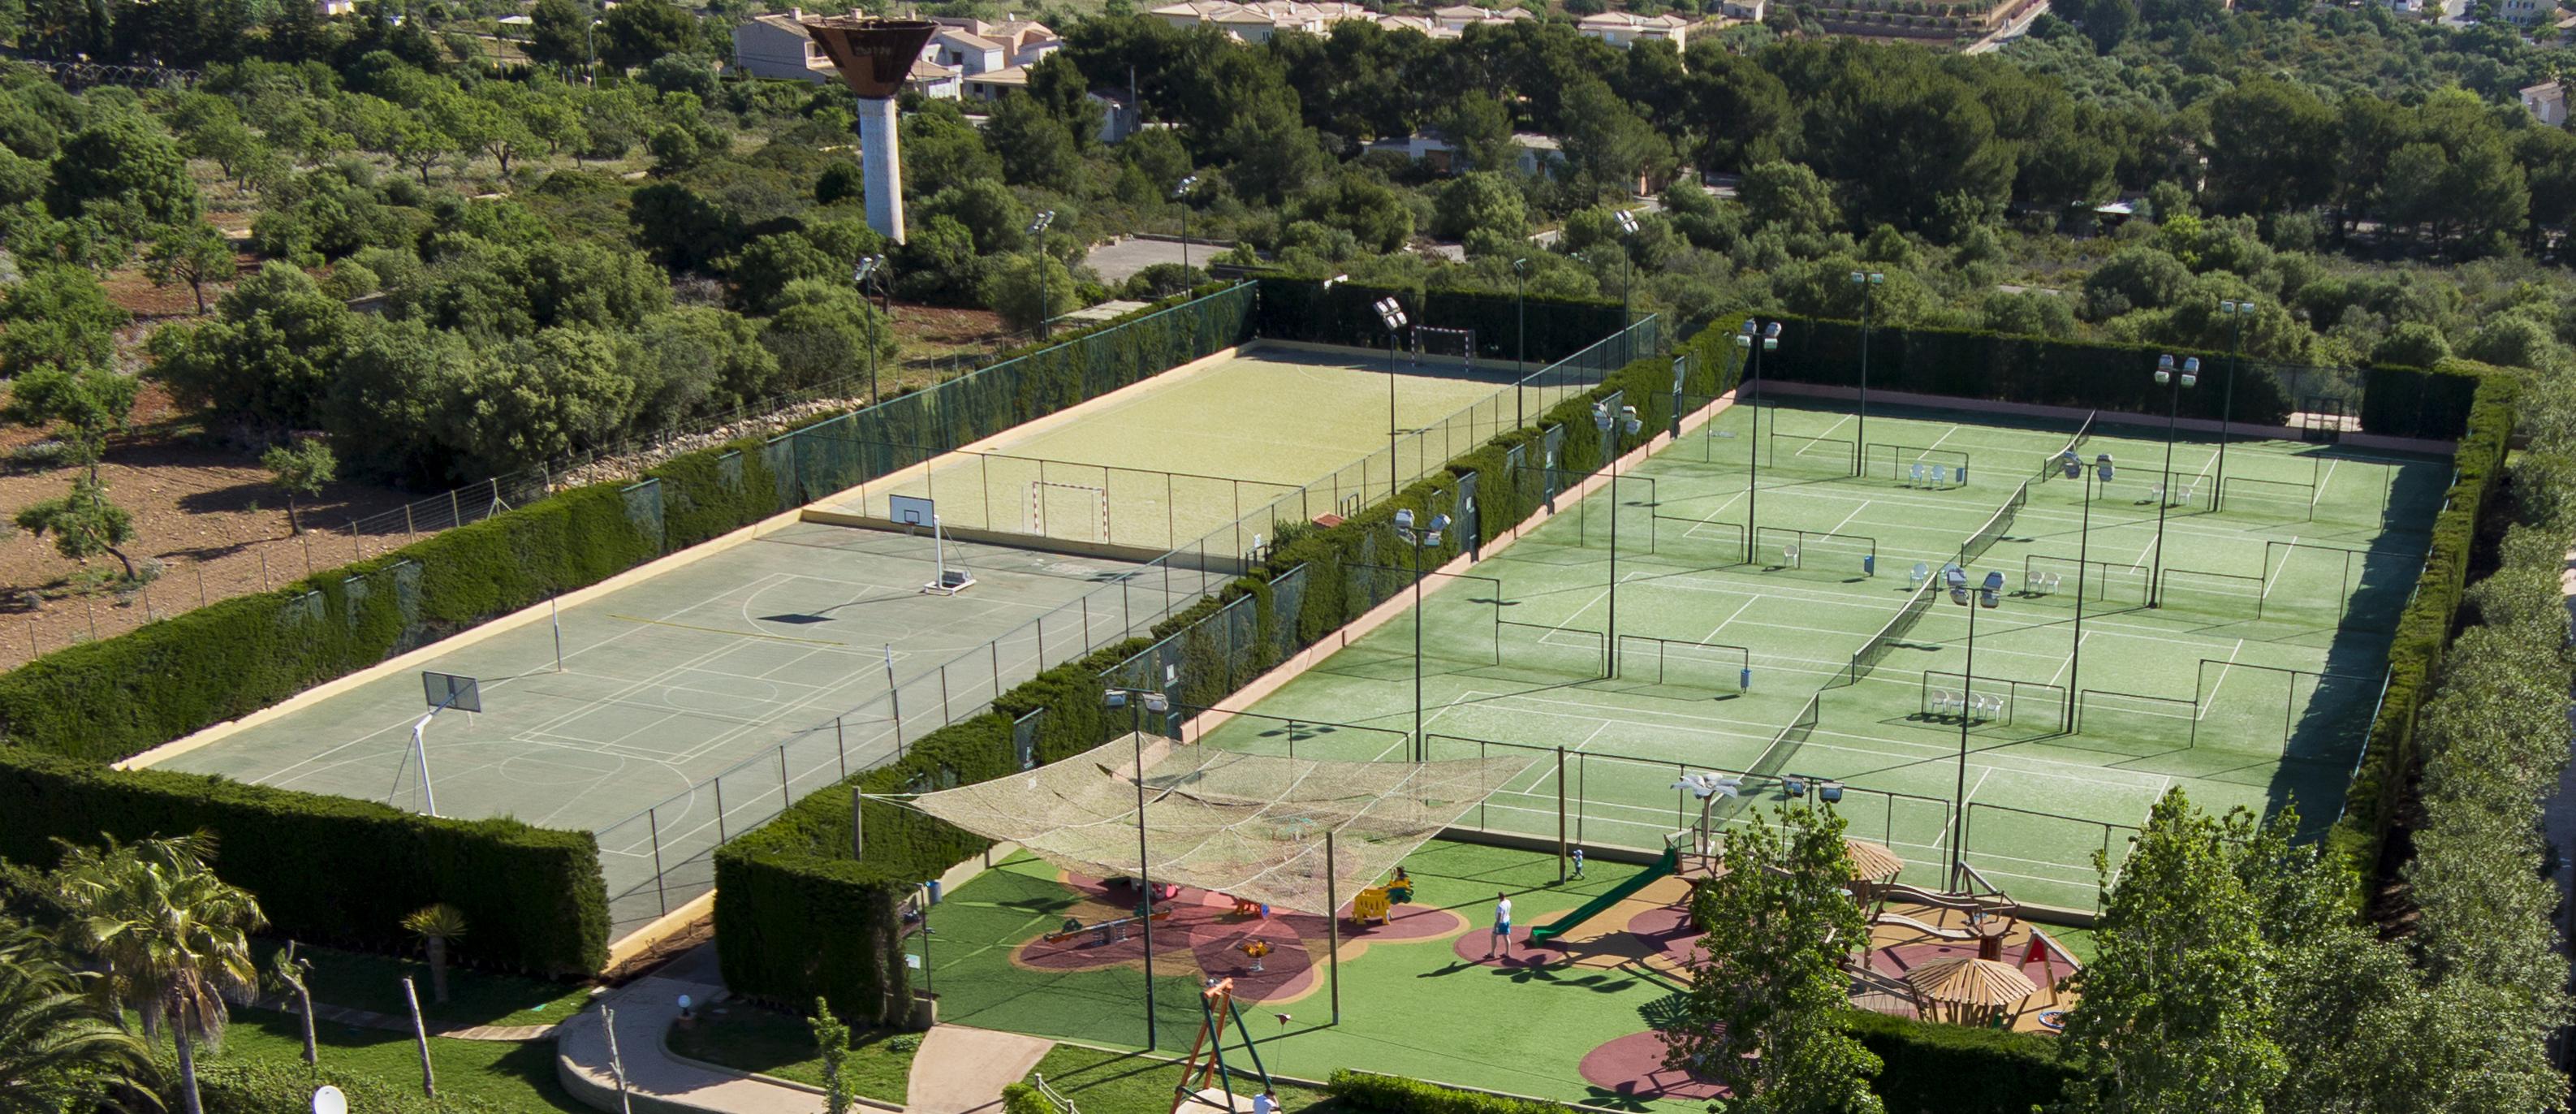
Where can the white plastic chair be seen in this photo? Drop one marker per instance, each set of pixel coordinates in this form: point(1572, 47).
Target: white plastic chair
point(1938, 472)
point(1914, 579)
point(1916, 475)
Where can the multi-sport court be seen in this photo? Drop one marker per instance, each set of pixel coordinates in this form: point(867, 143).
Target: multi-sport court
point(675, 711)
point(1811, 652)
point(1163, 468)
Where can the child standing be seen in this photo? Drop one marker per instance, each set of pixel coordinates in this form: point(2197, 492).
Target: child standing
point(1502, 926)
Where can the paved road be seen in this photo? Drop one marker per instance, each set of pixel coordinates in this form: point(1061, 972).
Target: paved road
point(2005, 35)
point(1117, 262)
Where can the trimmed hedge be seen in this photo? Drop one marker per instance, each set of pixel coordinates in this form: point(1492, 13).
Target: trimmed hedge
point(533, 897)
point(788, 896)
point(2426, 627)
point(1302, 309)
point(1930, 1068)
point(1970, 363)
point(1367, 1090)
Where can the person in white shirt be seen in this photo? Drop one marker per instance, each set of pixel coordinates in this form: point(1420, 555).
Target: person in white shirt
point(1502, 926)
point(1265, 1103)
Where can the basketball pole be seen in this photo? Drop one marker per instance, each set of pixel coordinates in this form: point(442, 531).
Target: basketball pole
point(556, 617)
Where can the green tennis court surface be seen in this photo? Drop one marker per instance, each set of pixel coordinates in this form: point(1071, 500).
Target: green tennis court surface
point(767, 663)
point(1810, 648)
point(1167, 463)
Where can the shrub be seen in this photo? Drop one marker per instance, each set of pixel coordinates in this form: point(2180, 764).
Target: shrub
point(1393, 1095)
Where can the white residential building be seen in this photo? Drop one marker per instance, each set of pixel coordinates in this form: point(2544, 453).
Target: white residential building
point(2547, 102)
point(1537, 152)
point(1624, 30)
point(1256, 22)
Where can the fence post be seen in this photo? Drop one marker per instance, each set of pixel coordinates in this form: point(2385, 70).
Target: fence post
point(455, 509)
point(200, 566)
point(996, 647)
point(783, 799)
point(719, 784)
point(653, 821)
point(945, 716)
point(841, 747)
point(355, 545)
point(408, 531)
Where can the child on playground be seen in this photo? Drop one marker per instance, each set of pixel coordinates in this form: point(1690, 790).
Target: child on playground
point(1502, 925)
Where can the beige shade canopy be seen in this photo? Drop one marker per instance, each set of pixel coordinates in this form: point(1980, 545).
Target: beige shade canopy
point(1871, 862)
point(1972, 989)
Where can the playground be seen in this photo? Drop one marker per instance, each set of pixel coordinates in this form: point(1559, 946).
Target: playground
point(2232, 637)
point(1568, 1019)
point(1166, 462)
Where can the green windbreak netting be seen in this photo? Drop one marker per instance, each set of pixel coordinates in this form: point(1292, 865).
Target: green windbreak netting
point(852, 449)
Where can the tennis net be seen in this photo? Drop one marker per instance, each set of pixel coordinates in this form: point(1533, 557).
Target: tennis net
point(1995, 527)
point(2048, 469)
point(1879, 645)
point(1784, 746)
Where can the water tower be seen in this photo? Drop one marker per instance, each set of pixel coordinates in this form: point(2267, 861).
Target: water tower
point(874, 57)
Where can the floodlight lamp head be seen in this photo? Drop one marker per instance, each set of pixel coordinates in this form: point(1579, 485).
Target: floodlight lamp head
point(1628, 415)
point(1771, 331)
point(1750, 326)
point(1439, 522)
point(1744, 340)
point(1403, 519)
point(1182, 189)
point(1157, 702)
point(1115, 698)
point(2191, 371)
point(1877, 278)
point(2071, 464)
point(1627, 222)
point(1518, 264)
point(1858, 278)
point(1328, 283)
point(1040, 222)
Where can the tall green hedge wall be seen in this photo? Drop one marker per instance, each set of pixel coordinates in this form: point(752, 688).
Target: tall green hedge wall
point(332, 869)
point(2431, 617)
point(534, 897)
point(1553, 328)
point(787, 892)
point(1964, 363)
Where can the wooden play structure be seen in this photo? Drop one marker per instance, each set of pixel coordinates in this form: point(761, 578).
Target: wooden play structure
point(1216, 1008)
point(1110, 931)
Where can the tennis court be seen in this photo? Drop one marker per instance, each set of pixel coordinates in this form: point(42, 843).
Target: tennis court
point(769, 663)
point(1827, 646)
point(1163, 464)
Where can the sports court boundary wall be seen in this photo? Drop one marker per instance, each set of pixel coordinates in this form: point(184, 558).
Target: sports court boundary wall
point(789, 898)
point(2077, 414)
point(2424, 403)
point(104, 701)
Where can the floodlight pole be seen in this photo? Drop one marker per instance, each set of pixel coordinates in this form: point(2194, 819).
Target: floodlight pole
point(1868, 282)
point(1967, 694)
point(2083, 566)
point(1520, 342)
point(1181, 194)
point(2236, 312)
point(1037, 248)
point(1415, 540)
point(2174, 383)
point(1332, 928)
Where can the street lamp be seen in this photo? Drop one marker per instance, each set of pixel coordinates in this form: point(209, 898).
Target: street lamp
point(2073, 466)
point(1181, 193)
point(1628, 281)
point(1520, 340)
point(2236, 312)
point(1609, 422)
point(1037, 244)
point(1417, 540)
point(1141, 703)
point(869, 267)
point(1769, 335)
point(1391, 312)
point(2174, 385)
point(1868, 281)
point(1988, 593)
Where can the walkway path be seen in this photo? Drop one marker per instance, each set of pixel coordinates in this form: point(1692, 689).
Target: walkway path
point(656, 1082)
point(962, 1071)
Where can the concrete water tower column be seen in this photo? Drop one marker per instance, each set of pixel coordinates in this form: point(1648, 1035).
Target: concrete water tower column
point(874, 56)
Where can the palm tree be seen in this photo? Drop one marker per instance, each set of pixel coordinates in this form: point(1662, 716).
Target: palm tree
point(289, 972)
point(436, 925)
point(175, 938)
point(58, 1047)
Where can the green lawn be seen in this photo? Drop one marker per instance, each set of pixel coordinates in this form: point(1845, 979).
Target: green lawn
point(1129, 1083)
point(361, 981)
point(750, 1038)
point(511, 1077)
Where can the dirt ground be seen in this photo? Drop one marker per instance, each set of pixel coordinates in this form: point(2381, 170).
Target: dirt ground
point(207, 516)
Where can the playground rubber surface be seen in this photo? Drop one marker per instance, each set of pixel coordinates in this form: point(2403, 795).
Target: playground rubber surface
point(2241, 658)
point(1409, 1003)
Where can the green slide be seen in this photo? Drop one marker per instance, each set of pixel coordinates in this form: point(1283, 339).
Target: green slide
point(1664, 866)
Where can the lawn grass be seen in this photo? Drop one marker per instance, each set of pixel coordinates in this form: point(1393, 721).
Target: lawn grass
point(361, 981)
point(1131, 1083)
point(750, 1038)
point(511, 1077)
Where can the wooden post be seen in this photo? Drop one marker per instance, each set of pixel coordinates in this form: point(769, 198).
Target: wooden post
point(420, 1034)
point(616, 1064)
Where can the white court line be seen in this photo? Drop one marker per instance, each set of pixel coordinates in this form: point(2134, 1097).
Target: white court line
point(2275, 578)
point(2211, 701)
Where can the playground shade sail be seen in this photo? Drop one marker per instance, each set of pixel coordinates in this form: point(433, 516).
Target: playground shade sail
point(1250, 826)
